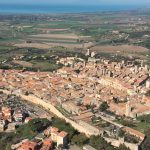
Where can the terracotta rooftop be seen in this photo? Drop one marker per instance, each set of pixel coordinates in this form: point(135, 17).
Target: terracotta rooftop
point(63, 134)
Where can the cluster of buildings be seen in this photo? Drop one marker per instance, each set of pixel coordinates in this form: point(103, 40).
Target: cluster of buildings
point(9, 119)
point(59, 137)
point(50, 139)
point(81, 83)
point(33, 145)
point(122, 84)
point(80, 87)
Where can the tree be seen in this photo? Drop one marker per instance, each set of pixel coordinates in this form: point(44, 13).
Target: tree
point(38, 125)
point(121, 133)
point(123, 147)
point(79, 139)
point(144, 118)
point(104, 106)
point(100, 144)
point(131, 138)
point(145, 145)
point(128, 123)
point(25, 131)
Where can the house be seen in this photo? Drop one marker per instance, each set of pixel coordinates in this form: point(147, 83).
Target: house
point(62, 138)
point(7, 113)
point(47, 132)
point(18, 116)
point(17, 145)
point(28, 145)
point(47, 144)
point(54, 133)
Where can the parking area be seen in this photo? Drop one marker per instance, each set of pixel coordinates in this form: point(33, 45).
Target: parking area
point(27, 108)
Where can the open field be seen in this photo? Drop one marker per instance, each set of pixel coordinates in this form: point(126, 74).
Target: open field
point(41, 40)
point(33, 45)
point(59, 36)
point(120, 49)
point(51, 29)
point(106, 33)
point(6, 47)
point(52, 44)
point(22, 63)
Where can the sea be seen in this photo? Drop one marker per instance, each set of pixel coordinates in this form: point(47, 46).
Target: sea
point(20, 8)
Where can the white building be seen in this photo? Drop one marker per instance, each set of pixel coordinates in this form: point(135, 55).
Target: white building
point(62, 138)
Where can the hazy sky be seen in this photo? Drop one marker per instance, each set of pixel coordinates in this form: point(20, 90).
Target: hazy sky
point(79, 2)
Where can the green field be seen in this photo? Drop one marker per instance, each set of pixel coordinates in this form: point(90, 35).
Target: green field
point(99, 28)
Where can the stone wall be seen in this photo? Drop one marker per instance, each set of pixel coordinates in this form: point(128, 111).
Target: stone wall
point(81, 126)
point(88, 129)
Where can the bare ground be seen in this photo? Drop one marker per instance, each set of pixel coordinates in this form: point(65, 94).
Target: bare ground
point(55, 36)
point(120, 48)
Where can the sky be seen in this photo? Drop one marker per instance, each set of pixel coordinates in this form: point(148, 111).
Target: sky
point(78, 2)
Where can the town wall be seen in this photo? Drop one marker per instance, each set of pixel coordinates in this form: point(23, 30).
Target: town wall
point(86, 128)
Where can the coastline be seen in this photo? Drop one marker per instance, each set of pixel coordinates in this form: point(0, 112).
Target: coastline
point(56, 9)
